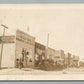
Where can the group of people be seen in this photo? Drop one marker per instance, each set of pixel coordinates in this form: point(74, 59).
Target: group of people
point(22, 61)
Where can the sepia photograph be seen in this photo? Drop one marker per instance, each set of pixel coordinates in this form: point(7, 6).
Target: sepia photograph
point(41, 42)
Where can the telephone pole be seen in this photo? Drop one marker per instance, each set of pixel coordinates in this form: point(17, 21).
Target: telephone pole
point(47, 45)
point(2, 43)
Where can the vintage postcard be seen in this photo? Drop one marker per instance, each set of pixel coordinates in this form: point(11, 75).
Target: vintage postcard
point(41, 41)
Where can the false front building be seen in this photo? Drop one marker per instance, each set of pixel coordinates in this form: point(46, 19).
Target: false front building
point(8, 51)
point(17, 48)
point(59, 57)
point(39, 53)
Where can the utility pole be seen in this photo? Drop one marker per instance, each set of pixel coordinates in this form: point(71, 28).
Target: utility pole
point(28, 28)
point(2, 43)
point(47, 45)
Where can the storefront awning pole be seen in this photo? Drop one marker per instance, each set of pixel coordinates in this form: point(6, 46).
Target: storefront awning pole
point(2, 43)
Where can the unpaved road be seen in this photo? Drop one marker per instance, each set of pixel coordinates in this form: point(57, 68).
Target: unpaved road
point(31, 74)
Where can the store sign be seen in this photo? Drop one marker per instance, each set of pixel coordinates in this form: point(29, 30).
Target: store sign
point(23, 37)
point(7, 39)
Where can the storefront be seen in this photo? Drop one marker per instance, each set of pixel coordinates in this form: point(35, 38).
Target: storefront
point(24, 49)
point(8, 51)
point(68, 59)
point(39, 53)
point(17, 50)
point(50, 54)
point(75, 61)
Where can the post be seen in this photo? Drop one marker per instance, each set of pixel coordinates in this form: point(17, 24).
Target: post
point(2, 44)
point(47, 45)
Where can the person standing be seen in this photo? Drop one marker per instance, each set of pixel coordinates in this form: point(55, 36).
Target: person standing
point(23, 52)
point(17, 63)
point(25, 56)
point(20, 64)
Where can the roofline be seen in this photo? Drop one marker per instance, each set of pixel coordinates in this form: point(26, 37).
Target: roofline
point(25, 33)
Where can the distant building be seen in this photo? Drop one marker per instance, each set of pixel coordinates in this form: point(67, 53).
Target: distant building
point(60, 53)
point(14, 47)
point(75, 61)
point(59, 57)
point(50, 54)
point(71, 62)
point(81, 63)
point(68, 59)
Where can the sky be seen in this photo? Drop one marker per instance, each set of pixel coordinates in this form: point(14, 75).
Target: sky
point(63, 22)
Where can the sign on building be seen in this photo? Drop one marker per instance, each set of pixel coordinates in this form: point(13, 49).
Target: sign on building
point(23, 37)
point(7, 39)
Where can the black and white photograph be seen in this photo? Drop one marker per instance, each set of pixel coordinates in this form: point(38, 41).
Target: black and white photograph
point(41, 41)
